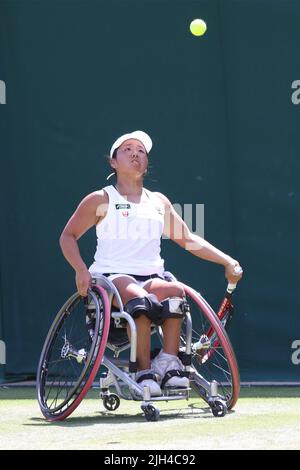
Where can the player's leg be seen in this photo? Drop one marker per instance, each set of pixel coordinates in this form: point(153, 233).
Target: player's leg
point(129, 289)
point(167, 360)
point(171, 326)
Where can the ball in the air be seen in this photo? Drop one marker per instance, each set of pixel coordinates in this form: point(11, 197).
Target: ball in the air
point(198, 27)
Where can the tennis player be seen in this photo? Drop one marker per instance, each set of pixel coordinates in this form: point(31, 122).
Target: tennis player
point(130, 221)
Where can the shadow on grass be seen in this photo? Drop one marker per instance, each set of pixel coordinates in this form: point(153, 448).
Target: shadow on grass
point(192, 411)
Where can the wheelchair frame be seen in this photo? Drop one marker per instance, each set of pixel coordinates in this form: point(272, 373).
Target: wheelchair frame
point(121, 373)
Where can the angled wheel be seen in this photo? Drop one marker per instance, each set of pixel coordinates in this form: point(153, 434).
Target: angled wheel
point(151, 412)
point(218, 408)
point(212, 355)
point(111, 402)
point(72, 353)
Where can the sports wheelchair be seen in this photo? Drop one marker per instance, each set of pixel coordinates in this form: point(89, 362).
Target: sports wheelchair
point(89, 334)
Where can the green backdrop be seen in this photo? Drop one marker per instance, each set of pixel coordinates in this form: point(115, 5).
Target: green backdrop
point(219, 108)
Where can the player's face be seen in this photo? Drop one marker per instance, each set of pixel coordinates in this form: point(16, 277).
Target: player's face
point(132, 156)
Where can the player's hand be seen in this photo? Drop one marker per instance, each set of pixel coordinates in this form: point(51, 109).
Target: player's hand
point(233, 272)
point(83, 281)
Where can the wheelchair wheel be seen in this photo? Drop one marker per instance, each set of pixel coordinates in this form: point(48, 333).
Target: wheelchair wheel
point(72, 353)
point(214, 358)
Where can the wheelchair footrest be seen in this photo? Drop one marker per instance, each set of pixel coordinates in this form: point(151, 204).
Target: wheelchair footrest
point(170, 391)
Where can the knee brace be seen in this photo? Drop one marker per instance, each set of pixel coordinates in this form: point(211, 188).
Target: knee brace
point(148, 305)
point(175, 307)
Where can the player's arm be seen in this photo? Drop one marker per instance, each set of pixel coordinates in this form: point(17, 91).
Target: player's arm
point(176, 229)
point(88, 213)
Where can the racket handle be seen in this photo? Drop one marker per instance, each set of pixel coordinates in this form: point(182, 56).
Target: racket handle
point(231, 286)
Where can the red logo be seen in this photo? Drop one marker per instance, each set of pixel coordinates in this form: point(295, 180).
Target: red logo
point(125, 213)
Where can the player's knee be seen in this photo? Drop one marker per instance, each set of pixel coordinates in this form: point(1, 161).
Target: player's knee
point(175, 289)
point(147, 305)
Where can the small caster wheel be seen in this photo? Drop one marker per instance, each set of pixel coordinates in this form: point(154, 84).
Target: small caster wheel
point(151, 413)
point(111, 402)
point(218, 408)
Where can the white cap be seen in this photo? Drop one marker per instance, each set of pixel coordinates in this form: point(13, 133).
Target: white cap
point(138, 135)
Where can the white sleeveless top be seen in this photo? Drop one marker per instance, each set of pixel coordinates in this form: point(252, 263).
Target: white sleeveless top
point(128, 238)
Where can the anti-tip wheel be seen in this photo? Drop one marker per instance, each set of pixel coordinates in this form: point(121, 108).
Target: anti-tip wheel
point(151, 413)
point(218, 408)
point(111, 402)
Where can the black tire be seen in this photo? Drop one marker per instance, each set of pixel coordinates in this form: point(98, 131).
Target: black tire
point(111, 402)
point(219, 409)
point(71, 355)
point(151, 413)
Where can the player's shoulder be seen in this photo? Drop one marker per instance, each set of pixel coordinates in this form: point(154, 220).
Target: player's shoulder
point(94, 199)
point(166, 202)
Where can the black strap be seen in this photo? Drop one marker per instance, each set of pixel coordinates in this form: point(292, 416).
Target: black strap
point(136, 276)
point(186, 359)
point(148, 376)
point(144, 278)
point(173, 373)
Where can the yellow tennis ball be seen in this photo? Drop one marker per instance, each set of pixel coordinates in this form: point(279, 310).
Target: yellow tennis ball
point(198, 27)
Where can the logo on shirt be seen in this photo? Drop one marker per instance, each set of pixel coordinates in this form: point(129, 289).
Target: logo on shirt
point(125, 213)
point(159, 210)
point(122, 206)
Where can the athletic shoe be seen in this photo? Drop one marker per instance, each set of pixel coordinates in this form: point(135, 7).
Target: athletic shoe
point(164, 363)
point(147, 378)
